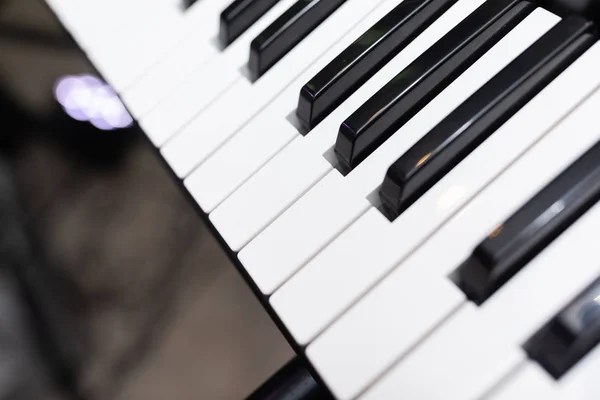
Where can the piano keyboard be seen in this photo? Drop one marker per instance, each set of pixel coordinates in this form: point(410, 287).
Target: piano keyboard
point(412, 186)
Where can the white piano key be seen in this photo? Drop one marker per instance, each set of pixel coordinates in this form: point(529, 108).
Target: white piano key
point(153, 41)
point(191, 97)
point(76, 14)
point(532, 381)
point(384, 325)
point(247, 211)
point(171, 71)
point(159, 74)
point(239, 226)
point(382, 333)
point(175, 71)
point(268, 132)
point(226, 169)
point(115, 29)
point(88, 22)
point(198, 26)
point(478, 346)
point(581, 382)
point(217, 123)
point(109, 39)
point(332, 201)
point(315, 219)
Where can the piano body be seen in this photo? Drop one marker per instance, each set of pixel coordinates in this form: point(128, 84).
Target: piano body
point(410, 187)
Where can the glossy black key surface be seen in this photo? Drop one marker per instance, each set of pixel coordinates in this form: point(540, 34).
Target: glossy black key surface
point(570, 335)
point(398, 101)
point(363, 58)
point(286, 32)
point(239, 16)
point(457, 135)
point(533, 227)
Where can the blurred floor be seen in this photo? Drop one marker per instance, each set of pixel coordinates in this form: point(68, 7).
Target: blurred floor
point(163, 314)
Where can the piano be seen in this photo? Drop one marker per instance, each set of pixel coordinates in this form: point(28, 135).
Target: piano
point(410, 187)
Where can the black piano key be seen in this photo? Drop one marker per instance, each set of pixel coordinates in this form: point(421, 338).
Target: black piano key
point(286, 32)
point(478, 117)
point(188, 3)
point(569, 336)
point(363, 58)
point(398, 101)
point(239, 16)
point(533, 227)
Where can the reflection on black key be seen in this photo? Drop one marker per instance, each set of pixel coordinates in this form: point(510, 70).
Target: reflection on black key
point(527, 232)
point(239, 16)
point(398, 101)
point(286, 32)
point(478, 117)
point(570, 335)
point(363, 58)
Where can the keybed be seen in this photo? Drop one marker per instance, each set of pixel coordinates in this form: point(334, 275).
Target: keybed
point(411, 186)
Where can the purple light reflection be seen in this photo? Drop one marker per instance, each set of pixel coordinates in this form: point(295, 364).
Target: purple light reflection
point(101, 124)
point(87, 98)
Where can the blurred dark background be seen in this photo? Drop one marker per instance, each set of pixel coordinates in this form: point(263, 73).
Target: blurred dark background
point(104, 265)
